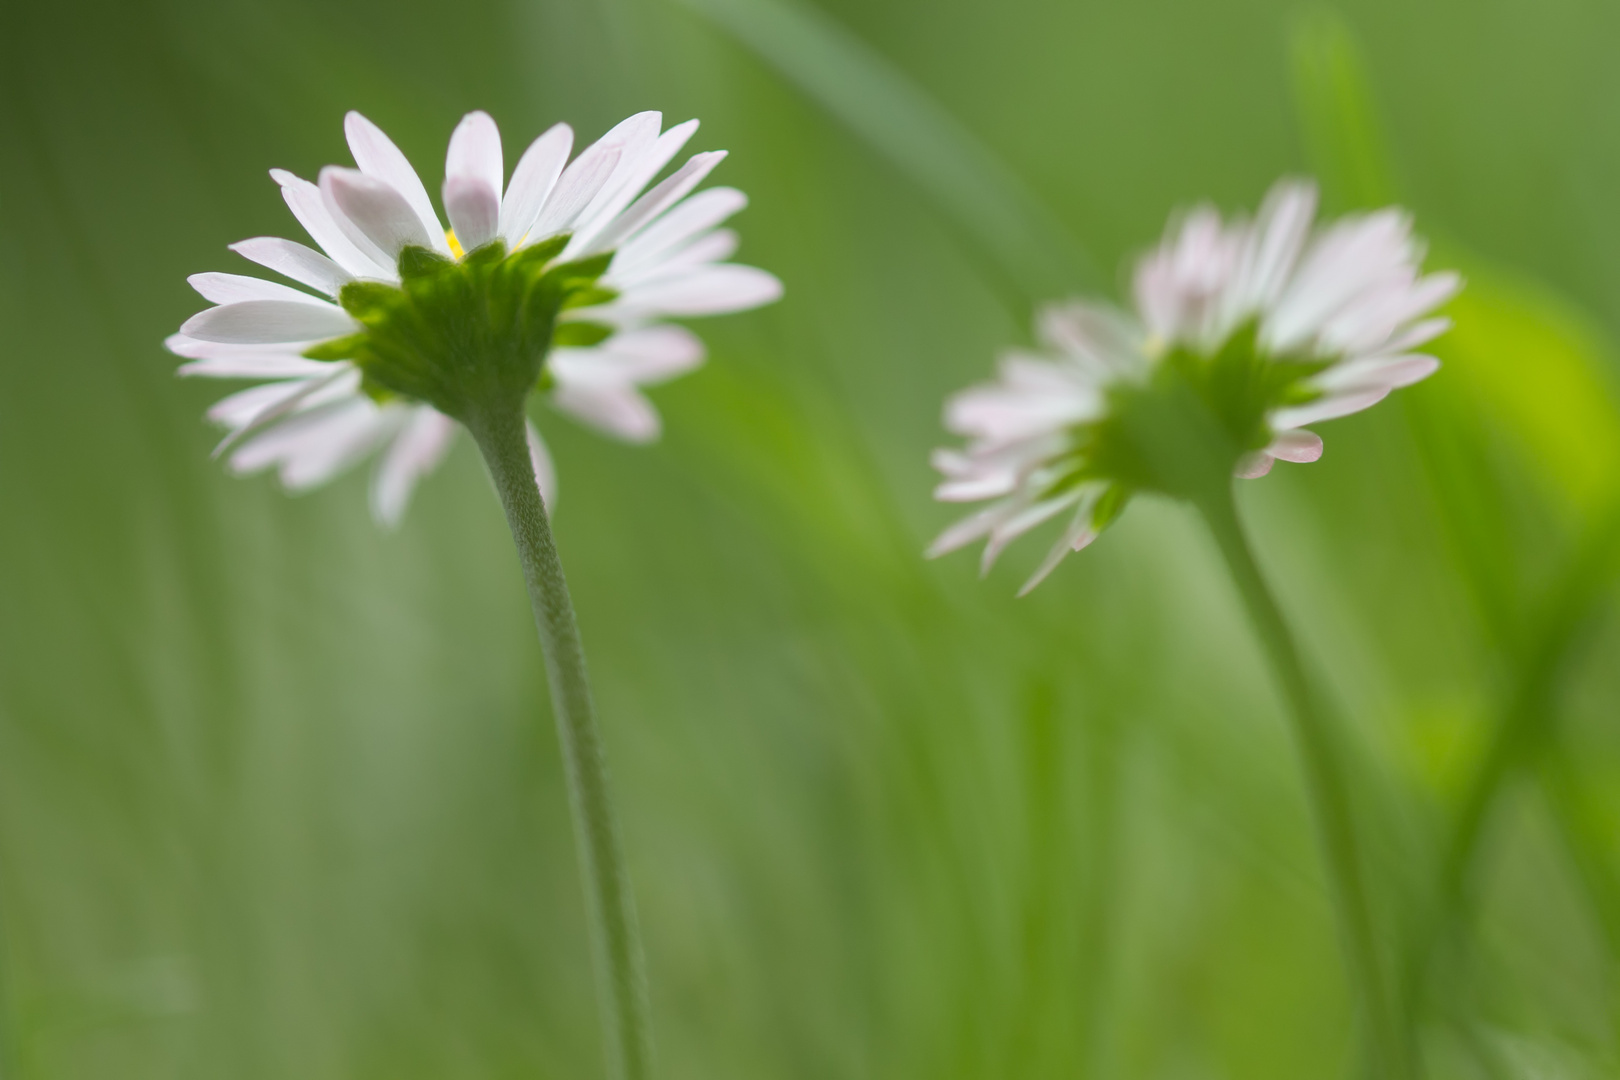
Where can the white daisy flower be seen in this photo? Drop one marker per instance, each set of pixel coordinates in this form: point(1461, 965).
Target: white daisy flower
point(587, 258)
point(1267, 325)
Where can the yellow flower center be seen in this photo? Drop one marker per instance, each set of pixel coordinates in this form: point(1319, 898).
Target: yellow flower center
point(455, 245)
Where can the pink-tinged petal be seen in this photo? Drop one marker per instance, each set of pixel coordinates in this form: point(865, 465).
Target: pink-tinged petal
point(717, 246)
point(1377, 371)
point(474, 210)
point(235, 288)
point(713, 290)
point(696, 215)
point(620, 150)
point(372, 212)
point(1299, 446)
point(648, 355)
point(620, 411)
point(380, 159)
point(578, 185)
point(1079, 533)
point(545, 473)
point(421, 444)
point(1252, 466)
point(264, 321)
point(1016, 525)
point(474, 174)
point(967, 530)
point(304, 200)
point(475, 151)
point(312, 447)
point(986, 485)
point(532, 182)
point(641, 162)
point(646, 209)
point(289, 259)
point(1329, 407)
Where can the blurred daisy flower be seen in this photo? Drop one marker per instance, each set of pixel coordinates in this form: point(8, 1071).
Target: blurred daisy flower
point(1243, 333)
point(561, 276)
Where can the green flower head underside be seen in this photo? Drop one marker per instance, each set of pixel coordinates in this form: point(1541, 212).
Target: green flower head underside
point(1181, 430)
point(468, 335)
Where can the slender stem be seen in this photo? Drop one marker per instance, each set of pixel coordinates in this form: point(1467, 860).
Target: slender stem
point(610, 906)
point(1327, 786)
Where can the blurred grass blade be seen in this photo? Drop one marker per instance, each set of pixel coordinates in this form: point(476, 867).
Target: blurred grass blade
point(990, 206)
point(1337, 115)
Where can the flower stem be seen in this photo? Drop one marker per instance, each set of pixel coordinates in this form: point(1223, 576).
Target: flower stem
point(616, 943)
point(1327, 787)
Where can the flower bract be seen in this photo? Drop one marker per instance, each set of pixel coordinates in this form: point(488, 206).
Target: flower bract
point(560, 278)
point(1242, 333)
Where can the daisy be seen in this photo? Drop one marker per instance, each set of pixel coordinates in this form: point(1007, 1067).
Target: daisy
point(1242, 334)
point(335, 376)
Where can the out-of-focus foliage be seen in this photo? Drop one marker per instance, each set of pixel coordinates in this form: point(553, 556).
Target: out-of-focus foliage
point(278, 793)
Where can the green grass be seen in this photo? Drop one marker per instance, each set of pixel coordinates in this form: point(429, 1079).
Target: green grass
point(279, 795)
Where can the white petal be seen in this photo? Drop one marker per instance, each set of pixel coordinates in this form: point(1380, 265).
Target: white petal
point(645, 154)
point(312, 447)
point(1330, 407)
point(1420, 333)
point(474, 210)
point(714, 247)
point(474, 173)
point(269, 320)
point(967, 530)
point(577, 186)
point(419, 447)
point(620, 411)
point(1016, 525)
point(1301, 447)
point(625, 145)
point(1076, 536)
point(255, 367)
point(1253, 466)
point(197, 349)
point(648, 355)
point(647, 208)
point(545, 473)
point(304, 265)
point(379, 158)
point(235, 288)
point(532, 181)
point(713, 290)
point(989, 484)
point(371, 212)
point(304, 200)
point(701, 212)
point(1371, 372)
point(475, 151)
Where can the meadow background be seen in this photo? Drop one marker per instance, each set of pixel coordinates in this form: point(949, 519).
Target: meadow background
point(279, 795)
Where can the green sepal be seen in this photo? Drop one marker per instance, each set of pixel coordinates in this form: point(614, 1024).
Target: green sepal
point(536, 256)
point(343, 348)
point(1109, 506)
point(415, 262)
point(580, 335)
point(486, 254)
point(570, 277)
point(590, 296)
point(369, 301)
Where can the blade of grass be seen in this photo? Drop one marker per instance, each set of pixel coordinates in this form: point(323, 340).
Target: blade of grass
point(986, 204)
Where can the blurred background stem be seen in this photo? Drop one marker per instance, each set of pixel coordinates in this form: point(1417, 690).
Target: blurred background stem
point(1326, 785)
point(610, 906)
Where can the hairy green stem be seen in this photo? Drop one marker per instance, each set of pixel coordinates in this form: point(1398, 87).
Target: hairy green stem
point(1386, 1055)
point(609, 904)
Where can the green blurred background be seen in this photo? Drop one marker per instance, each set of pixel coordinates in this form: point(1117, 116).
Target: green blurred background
point(279, 796)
